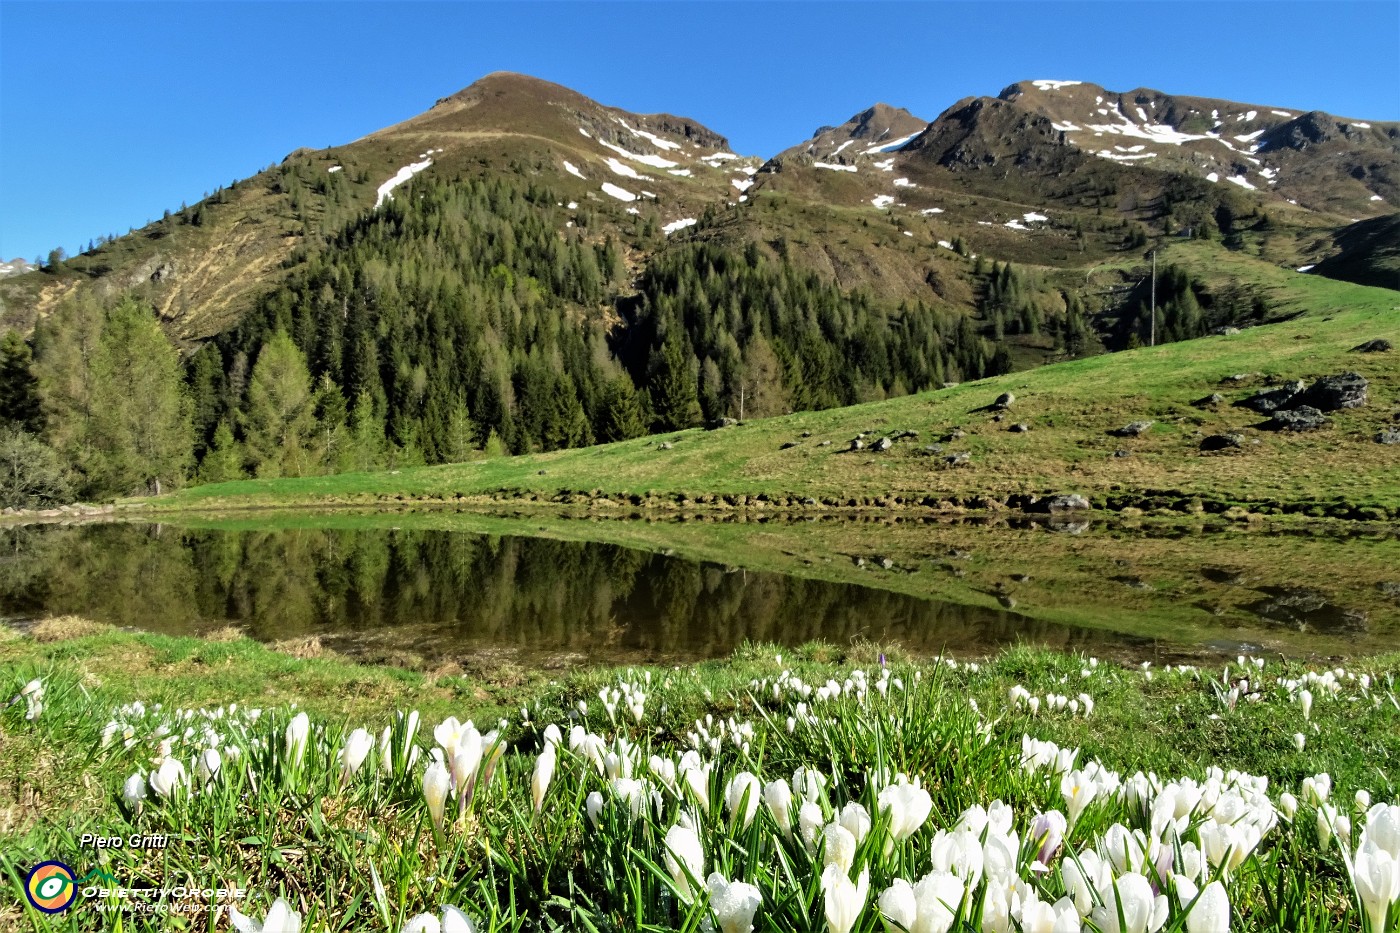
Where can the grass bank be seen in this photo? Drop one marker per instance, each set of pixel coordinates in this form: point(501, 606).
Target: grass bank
point(1070, 410)
point(278, 812)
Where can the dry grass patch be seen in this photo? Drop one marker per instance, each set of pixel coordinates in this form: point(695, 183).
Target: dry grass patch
point(302, 648)
point(66, 628)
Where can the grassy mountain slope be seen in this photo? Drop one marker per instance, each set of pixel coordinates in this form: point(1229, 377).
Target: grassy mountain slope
point(1069, 408)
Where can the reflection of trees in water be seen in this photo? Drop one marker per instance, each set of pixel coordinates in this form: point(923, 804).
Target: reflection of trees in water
point(139, 576)
point(464, 589)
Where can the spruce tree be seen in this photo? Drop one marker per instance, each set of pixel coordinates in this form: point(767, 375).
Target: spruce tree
point(674, 393)
point(19, 389)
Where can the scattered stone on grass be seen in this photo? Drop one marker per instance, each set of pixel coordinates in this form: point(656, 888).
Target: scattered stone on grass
point(1223, 442)
point(1333, 393)
point(1379, 345)
point(1302, 418)
point(1132, 429)
point(1272, 399)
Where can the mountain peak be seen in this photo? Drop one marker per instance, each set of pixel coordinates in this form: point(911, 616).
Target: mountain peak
point(879, 127)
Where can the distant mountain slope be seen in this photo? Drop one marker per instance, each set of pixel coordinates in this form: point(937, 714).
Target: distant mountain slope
point(1315, 160)
point(1369, 253)
point(1054, 173)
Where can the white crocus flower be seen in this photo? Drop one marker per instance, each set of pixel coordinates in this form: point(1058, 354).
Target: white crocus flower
point(436, 785)
point(685, 860)
point(280, 919)
point(844, 899)
point(840, 847)
point(169, 777)
point(958, 853)
point(1084, 876)
point(809, 821)
point(734, 903)
point(908, 806)
point(134, 792)
point(453, 921)
point(207, 765)
point(544, 773)
point(1383, 827)
point(1376, 875)
point(898, 907)
point(856, 819)
point(593, 808)
point(1130, 906)
point(298, 732)
point(742, 796)
point(353, 755)
point(1078, 789)
point(1211, 912)
point(938, 895)
point(778, 797)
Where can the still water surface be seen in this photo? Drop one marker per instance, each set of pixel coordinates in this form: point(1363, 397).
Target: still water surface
point(437, 595)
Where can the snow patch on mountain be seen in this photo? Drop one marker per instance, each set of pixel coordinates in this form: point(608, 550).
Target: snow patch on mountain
point(1121, 157)
point(626, 171)
point(890, 146)
point(572, 169)
point(401, 176)
point(904, 183)
point(655, 161)
point(931, 210)
point(1241, 181)
point(833, 166)
point(882, 201)
point(622, 194)
point(743, 184)
point(662, 144)
point(681, 172)
point(675, 225)
point(1046, 84)
point(333, 169)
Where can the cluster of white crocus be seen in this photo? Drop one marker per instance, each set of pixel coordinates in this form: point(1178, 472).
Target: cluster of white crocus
point(189, 748)
point(711, 733)
point(1074, 846)
point(463, 758)
point(1022, 699)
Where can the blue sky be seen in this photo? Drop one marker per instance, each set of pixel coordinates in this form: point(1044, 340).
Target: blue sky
point(111, 112)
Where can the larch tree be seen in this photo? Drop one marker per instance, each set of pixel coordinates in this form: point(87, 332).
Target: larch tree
point(141, 430)
point(279, 418)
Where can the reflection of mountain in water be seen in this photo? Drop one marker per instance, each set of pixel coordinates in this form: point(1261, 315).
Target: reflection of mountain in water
point(453, 592)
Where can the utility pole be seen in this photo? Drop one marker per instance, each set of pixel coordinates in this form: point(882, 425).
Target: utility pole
point(1153, 339)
